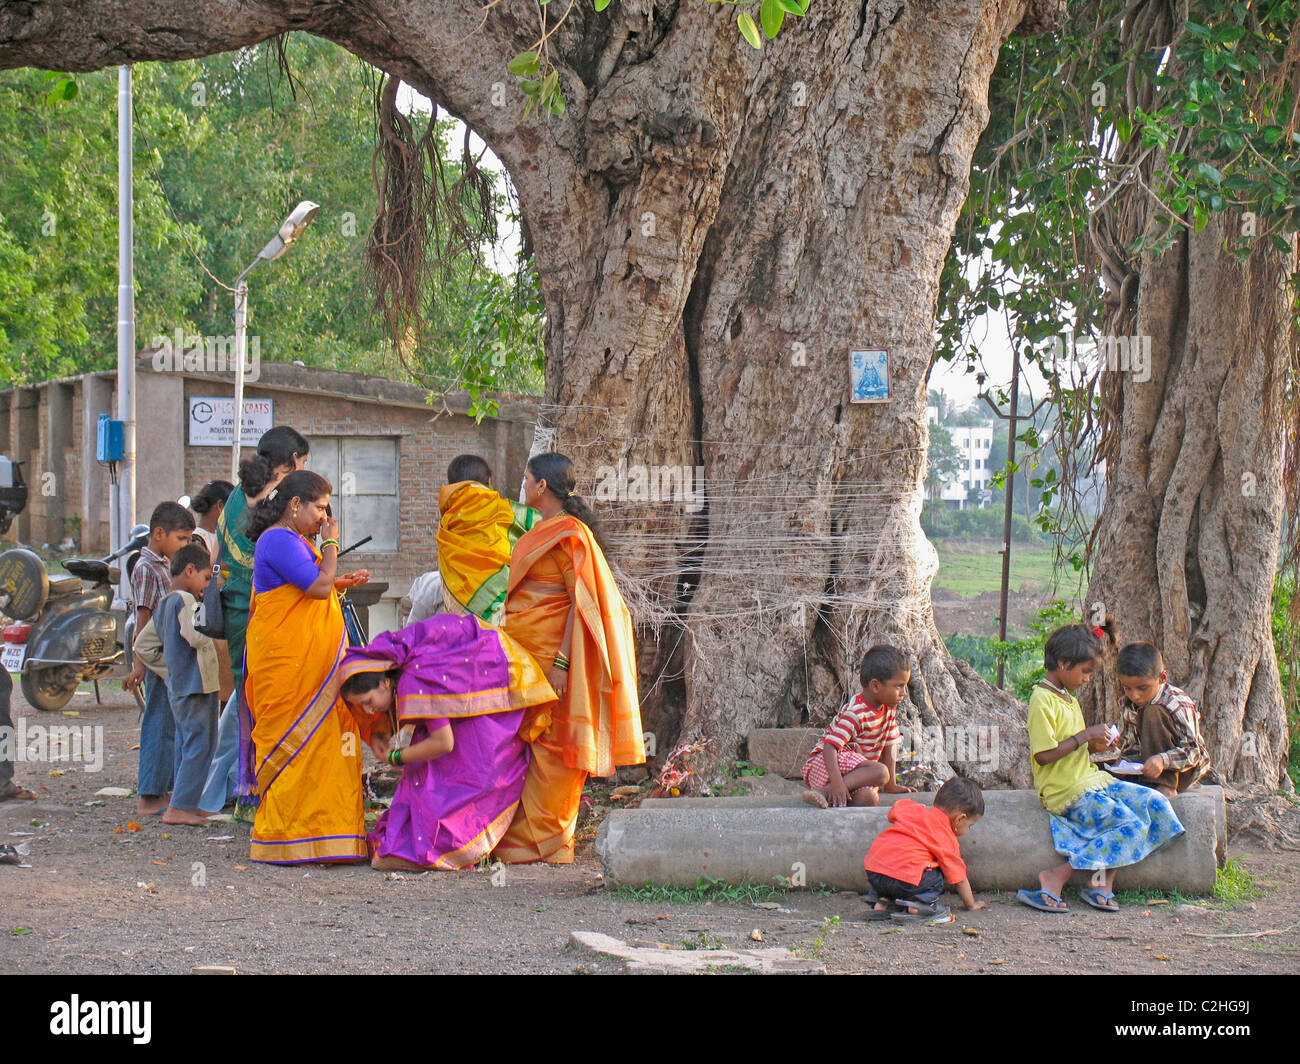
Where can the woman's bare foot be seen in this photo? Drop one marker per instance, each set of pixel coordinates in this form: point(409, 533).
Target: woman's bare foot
point(149, 804)
point(14, 793)
point(817, 798)
point(172, 815)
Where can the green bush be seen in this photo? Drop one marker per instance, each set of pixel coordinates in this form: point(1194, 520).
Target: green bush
point(1023, 657)
point(939, 521)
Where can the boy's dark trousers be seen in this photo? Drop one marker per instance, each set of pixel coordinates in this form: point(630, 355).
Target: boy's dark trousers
point(6, 766)
point(1156, 734)
point(926, 892)
point(196, 742)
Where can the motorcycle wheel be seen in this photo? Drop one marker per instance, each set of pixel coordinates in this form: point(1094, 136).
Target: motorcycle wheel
point(42, 689)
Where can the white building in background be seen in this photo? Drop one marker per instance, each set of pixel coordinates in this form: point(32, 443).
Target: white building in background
point(975, 442)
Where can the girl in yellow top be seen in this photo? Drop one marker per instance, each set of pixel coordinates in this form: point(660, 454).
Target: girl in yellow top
point(1097, 822)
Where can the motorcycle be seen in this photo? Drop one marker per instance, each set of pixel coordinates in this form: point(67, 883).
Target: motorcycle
point(66, 630)
point(13, 492)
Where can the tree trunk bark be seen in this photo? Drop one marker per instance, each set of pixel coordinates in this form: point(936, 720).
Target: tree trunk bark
point(715, 229)
point(1186, 551)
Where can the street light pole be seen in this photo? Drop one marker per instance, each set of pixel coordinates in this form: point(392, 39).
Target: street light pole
point(290, 229)
point(1011, 419)
point(122, 497)
point(241, 349)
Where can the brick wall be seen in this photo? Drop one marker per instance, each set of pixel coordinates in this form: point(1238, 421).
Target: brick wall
point(425, 445)
point(424, 448)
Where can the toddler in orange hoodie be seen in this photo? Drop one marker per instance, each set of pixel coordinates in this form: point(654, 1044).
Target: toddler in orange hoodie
point(913, 859)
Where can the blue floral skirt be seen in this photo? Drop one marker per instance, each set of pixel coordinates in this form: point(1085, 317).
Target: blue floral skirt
point(1115, 826)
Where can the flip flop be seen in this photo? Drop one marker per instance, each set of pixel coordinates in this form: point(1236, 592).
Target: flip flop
point(925, 914)
point(1034, 899)
point(1098, 899)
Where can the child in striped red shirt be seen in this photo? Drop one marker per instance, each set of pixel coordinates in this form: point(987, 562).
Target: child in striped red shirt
point(856, 755)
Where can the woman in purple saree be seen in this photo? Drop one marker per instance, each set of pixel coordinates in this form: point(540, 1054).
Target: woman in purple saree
point(461, 687)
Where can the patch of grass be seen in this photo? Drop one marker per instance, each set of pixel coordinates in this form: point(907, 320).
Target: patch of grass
point(969, 567)
point(1233, 885)
point(1138, 899)
point(703, 940)
point(735, 774)
point(827, 929)
point(707, 889)
point(730, 969)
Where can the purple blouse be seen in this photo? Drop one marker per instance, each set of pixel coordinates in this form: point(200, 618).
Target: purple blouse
point(283, 557)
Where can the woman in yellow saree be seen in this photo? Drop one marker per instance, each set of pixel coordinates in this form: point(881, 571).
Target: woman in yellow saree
point(304, 759)
point(563, 606)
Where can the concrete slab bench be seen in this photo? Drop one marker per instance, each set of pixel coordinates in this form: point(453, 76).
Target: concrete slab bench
point(675, 841)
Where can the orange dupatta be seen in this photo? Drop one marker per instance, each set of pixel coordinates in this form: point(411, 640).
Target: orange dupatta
point(598, 722)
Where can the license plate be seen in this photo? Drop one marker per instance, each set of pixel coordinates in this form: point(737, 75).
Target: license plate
point(11, 656)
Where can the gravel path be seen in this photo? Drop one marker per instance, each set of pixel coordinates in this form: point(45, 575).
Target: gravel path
point(170, 899)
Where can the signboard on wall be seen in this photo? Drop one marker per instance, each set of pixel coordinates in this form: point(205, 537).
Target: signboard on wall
point(212, 421)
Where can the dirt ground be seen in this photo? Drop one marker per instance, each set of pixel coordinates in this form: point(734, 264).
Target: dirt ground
point(170, 899)
point(978, 614)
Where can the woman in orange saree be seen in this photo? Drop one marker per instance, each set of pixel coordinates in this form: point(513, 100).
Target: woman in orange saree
point(563, 606)
point(305, 756)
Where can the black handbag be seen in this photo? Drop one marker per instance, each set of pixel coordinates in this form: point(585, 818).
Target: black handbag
point(210, 617)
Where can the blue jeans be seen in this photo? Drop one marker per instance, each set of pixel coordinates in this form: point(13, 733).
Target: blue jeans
point(157, 740)
point(196, 737)
point(223, 776)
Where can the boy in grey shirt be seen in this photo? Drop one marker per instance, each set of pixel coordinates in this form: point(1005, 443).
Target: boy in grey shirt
point(189, 661)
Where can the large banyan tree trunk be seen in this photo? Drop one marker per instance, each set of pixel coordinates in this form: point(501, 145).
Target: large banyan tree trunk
point(714, 229)
point(1187, 545)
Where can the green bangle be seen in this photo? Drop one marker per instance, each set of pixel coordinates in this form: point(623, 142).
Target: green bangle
point(330, 543)
point(395, 757)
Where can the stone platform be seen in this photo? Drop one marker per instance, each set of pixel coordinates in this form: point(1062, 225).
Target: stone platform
point(675, 841)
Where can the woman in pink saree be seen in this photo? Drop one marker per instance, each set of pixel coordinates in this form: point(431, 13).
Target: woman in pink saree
point(460, 687)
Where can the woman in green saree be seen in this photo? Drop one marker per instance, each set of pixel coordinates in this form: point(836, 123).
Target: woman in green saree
point(280, 451)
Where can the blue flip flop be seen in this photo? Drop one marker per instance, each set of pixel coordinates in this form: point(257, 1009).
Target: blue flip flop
point(1097, 899)
point(1034, 899)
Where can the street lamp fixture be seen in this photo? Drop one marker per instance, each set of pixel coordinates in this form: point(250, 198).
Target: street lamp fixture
point(299, 218)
